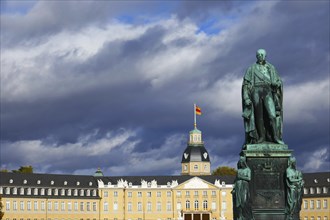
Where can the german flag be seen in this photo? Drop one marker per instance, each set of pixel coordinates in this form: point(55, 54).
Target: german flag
point(198, 110)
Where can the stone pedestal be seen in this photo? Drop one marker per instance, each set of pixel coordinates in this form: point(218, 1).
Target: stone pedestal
point(268, 164)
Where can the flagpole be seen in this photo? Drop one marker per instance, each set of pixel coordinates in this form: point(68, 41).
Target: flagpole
point(195, 124)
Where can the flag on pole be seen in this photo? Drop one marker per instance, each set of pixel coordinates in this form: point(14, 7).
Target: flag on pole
point(198, 110)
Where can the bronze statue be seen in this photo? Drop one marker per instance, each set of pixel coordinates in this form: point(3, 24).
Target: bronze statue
point(294, 185)
point(241, 192)
point(262, 102)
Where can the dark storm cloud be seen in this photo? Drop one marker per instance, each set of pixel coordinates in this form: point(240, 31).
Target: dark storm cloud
point(138, 88)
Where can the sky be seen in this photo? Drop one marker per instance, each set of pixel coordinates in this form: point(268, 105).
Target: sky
point(111, 84)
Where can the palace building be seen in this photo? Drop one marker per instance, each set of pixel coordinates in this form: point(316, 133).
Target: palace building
point(193, 195)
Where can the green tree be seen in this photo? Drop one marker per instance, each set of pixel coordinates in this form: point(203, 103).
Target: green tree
point(224, 171)
point(1, 206)
point(24, 169)
point(4, 171)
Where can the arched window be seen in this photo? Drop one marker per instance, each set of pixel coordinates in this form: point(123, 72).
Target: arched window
point(188, 205)
point(196, 167)
point(205, 204)
point(15, 191)
point(196, 204)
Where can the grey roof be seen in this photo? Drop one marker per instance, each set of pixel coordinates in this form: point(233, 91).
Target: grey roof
point(46, 179)
point(319, 180)
point(195, 153)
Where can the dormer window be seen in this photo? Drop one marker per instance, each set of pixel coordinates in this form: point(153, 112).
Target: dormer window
point(38, 182)
point(7, 190)
point(62, 192)
point(315, 181)
point(90, 183)
point(81, 192)
point(94, 192)
point(49, 192)
point(69, 192)
point(56, 192)
point(65, 183)
point(52, 182)
point(1, 190)
point(15, 191)
point(35, 191)
point(75, 193)
point(78, 183)
point(88, 192)
point(25, 182)
point(42, 192)
point(28, 191)
point(21, 191)
point(11, 181)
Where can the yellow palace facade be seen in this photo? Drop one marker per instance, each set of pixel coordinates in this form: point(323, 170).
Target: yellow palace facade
point(193, 195)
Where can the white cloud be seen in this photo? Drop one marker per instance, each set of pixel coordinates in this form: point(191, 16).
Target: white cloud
point(317, 160)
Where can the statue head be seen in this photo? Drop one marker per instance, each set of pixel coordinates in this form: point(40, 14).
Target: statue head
point(292, 162)
point(261, 55)
point(241, 163)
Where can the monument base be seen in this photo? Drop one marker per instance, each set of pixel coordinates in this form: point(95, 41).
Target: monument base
point(268, 164)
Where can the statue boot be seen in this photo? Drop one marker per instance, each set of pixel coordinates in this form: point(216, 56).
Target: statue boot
point(276, 139)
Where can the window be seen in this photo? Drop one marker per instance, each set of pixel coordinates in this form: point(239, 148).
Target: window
point(56, 206)
point(312, 190)
point(169, 206)
point(312, 204)
point(129, 207)
point(115, 206)
point(196, 204)
point(178, 193)
point(159, 194)
point(94, 207)
point(22, 205)
point(42, 192)
point(7, 190)
point(318, 190)
point(81, 206)
point(35, 191)
point(21, 191)
point(88, 192)
point(62, 206)
point(7, 205)
point(213, 193)
point(168, 194)
point(49, 192)
point(75, 206)
point(187, 193)
point(204, 193)
point(148, 194)
point(325, 218)
point(14, 205)
point(188, 205)
point(178, 206)
point(325, 190)
point(185, 168)
point(159, 206)
point(55, 192)
point(75, 192)
point(81, 192)
point(214, 205)
point(88, 206)
point(42, 205)
point(205, 204)
point(224, 205)
point(62, 192)
point(129, 194)
point(29, 205)
point(94, 192)
point(1, 190)
point(15, 191)
point(325, 204)
point(139, 194)
point(69, 192)
point(196, 193)
point(115, 194)
point(305, 204)
point(223, 194)
point(69, 206)
point(205, 168)
point(139, 206)
point(105, 206)
point(28, 191)
point(149, 206)
point(195, 167)
point(318, 204)
point(305, 191)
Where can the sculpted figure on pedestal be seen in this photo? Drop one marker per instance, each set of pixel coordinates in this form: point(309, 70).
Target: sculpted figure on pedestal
point(241, 192)
point(262, 102)
point(294, 185)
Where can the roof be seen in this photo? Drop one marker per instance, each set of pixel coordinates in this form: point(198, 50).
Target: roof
point(316, 184)
point(47, 180)
point(196, 153)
